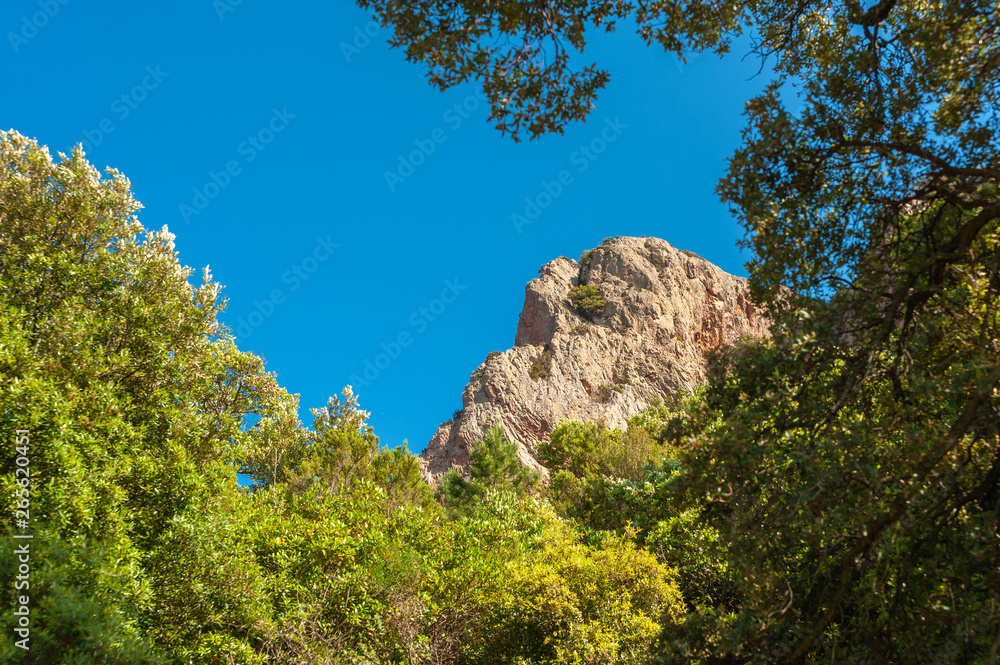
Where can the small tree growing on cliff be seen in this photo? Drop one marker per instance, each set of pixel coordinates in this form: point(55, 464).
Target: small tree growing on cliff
point(493, 466)
point(587, 300)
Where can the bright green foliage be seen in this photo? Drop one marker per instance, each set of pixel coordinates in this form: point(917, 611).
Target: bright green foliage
point(570, 603)
point(587, 300)
point(625, 482)
point(346, 578)
point(587, 460)
point(87, 598)
point(210, 600)
point(341, 451)
point(134, 399)
point(493, 466)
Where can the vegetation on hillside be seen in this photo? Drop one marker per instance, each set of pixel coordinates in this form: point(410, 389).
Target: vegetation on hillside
point(587, 300)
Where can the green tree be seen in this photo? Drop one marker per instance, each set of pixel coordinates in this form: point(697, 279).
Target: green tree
point(603, 477)
point(567, 602)
point(137, 402)
point(587, 300)
point(339, 452)
point(493, 466)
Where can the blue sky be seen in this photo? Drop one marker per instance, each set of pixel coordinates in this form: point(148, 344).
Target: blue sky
point(262, 133)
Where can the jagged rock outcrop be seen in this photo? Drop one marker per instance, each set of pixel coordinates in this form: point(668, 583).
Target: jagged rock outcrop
point(664, 308)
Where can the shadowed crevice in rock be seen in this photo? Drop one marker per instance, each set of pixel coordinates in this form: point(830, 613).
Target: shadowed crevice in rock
point(664, 309)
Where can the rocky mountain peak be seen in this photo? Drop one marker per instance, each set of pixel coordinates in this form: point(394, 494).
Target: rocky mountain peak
point(663, 308)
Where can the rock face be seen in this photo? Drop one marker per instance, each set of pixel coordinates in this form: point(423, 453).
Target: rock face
point(664, 309)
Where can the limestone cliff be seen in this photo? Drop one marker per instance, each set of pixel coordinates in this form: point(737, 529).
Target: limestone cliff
point(664, 309)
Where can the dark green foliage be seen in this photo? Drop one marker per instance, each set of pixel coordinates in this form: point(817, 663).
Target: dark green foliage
point(690, 542)
point(493, 467)
point(587, 300)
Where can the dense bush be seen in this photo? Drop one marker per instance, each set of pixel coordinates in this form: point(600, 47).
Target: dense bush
point(587, 300)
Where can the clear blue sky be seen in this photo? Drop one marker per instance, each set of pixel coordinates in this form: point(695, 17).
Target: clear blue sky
point(170, 94)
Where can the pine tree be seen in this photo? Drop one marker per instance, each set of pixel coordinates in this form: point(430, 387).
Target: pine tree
point(493, 467)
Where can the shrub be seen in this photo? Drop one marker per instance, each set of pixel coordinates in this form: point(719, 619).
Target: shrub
point(604, 392)
point(480, 372)
point(573, 603)
point(587, 300)
point(542, 365)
